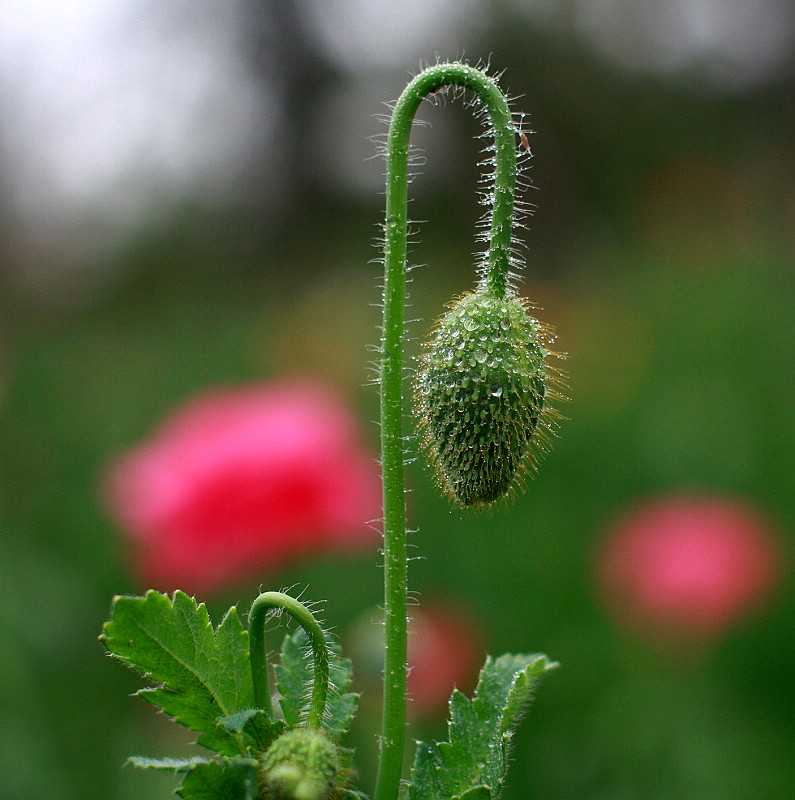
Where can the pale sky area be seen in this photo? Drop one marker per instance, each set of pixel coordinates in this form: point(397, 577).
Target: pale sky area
point(110, 101)
point(113, 108)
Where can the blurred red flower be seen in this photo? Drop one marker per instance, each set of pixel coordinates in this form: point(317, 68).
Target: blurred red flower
point(443, 653)
point(240, 481)
point(687, 565)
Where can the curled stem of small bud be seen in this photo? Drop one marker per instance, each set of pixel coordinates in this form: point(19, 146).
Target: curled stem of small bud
point(262, 606)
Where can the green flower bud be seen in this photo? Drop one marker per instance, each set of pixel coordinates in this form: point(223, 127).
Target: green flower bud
point(302, 764)
point(480, 394)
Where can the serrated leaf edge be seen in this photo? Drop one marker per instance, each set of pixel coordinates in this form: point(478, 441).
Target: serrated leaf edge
point(178, 604)
point(511, 715)
point(168, 763)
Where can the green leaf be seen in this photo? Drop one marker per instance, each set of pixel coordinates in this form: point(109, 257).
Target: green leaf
point(478, 793)
point(257, 728)
point(294, 675)
point(472, 765)
point(202, 674)
point(224, 779)
point(227, 778)
point(169, 764)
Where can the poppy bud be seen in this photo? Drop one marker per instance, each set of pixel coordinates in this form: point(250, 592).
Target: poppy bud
point(480, 393)
point(301, 764)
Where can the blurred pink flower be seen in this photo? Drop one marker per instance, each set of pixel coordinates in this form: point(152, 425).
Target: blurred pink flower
point(238, 482)
point(687, 566)
point(443, 654)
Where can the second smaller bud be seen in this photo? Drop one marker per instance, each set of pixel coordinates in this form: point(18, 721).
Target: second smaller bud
point(302, 764)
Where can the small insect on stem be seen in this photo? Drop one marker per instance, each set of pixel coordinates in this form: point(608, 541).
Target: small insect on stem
point(524, 141)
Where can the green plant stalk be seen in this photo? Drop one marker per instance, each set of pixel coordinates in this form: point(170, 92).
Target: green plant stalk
point(266, 602)
point(496, 270)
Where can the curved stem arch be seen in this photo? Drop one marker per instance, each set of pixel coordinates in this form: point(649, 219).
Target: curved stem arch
point(262, 606)
point(496, 283)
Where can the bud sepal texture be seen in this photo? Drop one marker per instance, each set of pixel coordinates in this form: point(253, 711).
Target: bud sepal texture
point(481, 396)
point(302, 764)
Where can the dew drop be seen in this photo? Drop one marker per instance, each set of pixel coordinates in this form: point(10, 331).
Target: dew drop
point(480, 356)
point(496, 390)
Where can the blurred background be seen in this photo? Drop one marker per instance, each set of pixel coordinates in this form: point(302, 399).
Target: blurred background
point(190, 200)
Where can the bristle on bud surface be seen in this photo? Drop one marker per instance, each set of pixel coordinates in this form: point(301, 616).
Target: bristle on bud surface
point(480, 396)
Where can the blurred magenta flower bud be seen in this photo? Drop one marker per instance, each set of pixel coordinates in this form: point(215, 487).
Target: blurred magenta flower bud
point(687, 566)
point(243, 480)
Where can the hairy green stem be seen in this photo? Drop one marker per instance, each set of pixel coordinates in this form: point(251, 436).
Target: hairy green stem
point(496, 283)
point(265, 603)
